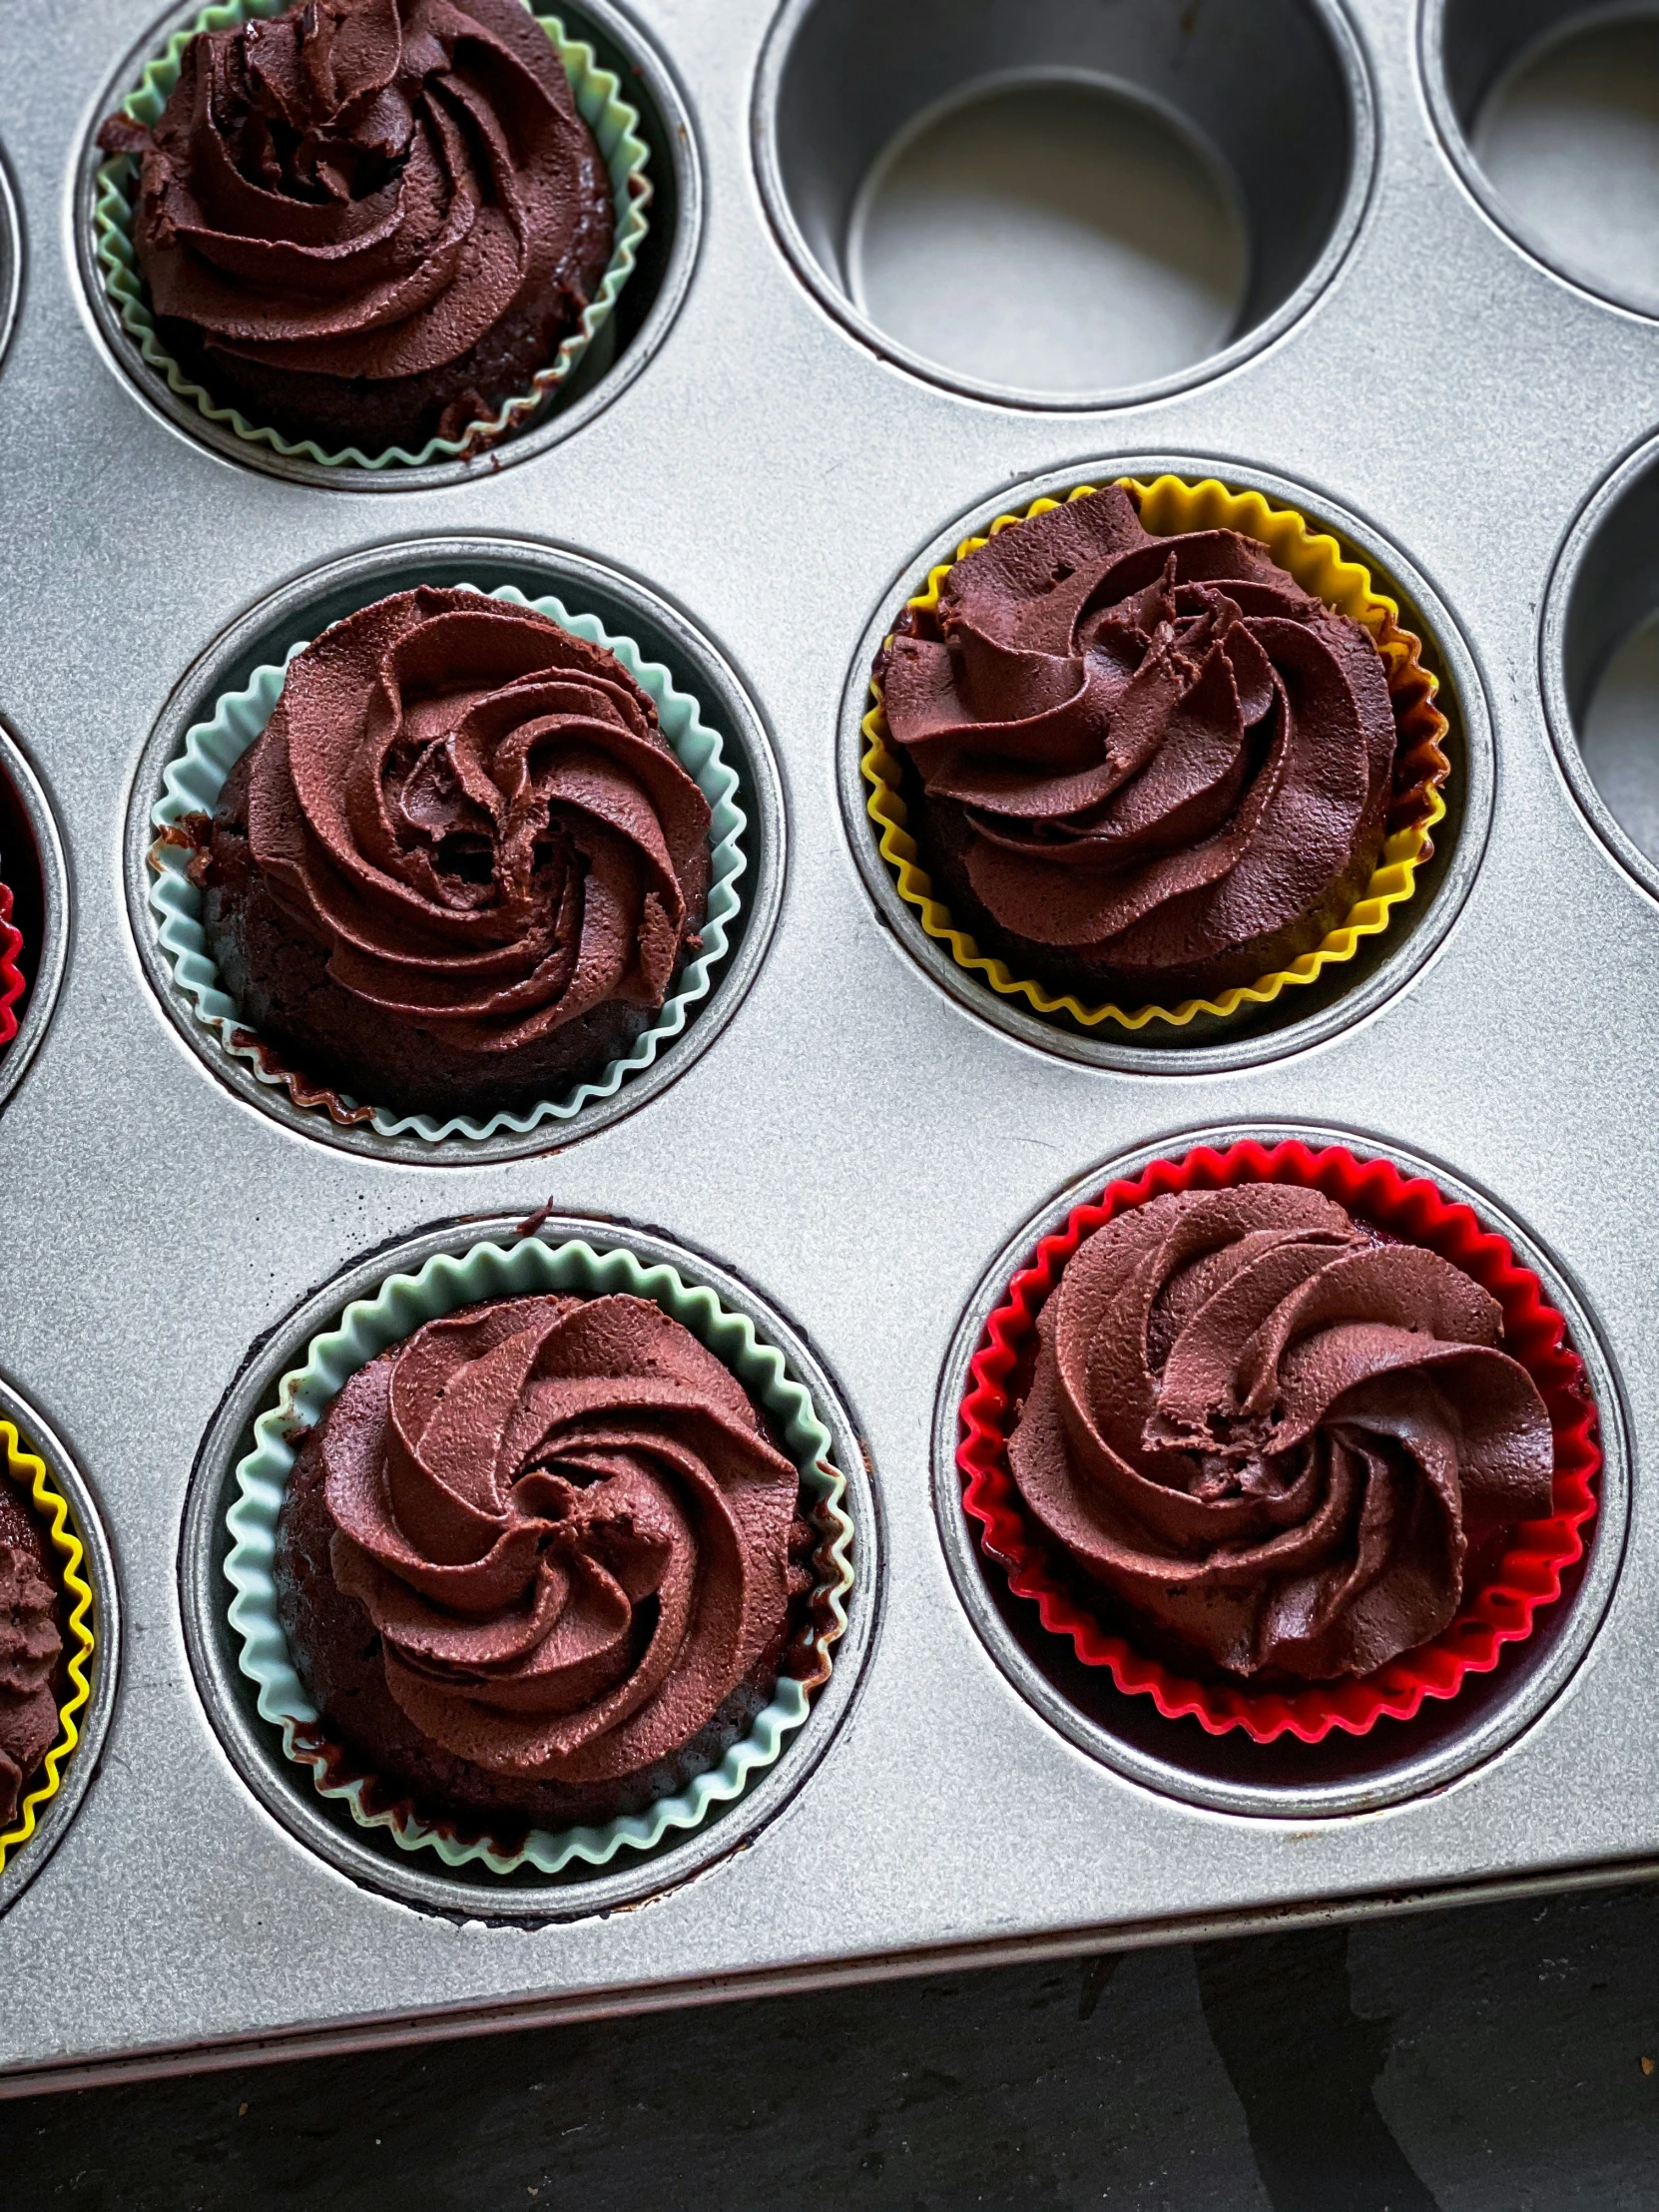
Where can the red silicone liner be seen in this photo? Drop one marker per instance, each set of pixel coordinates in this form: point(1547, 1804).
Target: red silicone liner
point(11, 975)
point(1503, 1611)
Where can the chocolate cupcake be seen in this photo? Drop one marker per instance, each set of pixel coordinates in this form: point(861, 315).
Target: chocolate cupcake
point(540, 1562)
point(367, 222)
point(1143, 769)
point(461, 865)
point(33, 1676)
point(1275, 1439)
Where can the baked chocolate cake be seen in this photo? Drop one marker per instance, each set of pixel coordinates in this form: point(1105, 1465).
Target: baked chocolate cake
point(369, 221)
point(1138, 768)
point(31, 1651)
point(459, 867)
point(1273, 1438)
point(541, 1560)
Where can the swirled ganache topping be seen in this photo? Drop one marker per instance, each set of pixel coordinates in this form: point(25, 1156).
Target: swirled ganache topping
point(1273, 1435)
point(565, 1522)
point(471, 819)
point(1154, 762)
point(371, 215)
point(30, 1647)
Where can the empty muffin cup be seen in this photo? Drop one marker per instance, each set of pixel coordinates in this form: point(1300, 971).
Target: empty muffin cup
point(1350, 1531)
point(614, 125)
point(1073, 793)
point(1062, 205)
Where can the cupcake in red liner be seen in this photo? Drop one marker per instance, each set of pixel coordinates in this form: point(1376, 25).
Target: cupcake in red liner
point(1282, 1438)
point(11, 975)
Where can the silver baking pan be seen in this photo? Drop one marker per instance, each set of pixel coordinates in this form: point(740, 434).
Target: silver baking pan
point(852, 1141)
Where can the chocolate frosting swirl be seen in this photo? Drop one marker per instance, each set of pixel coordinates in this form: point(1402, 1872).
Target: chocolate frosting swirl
point(1272, 1434)
point(476, 813)
point(1164, 756)
point(563, 1518)
point(364, 189)
point(30, 1647)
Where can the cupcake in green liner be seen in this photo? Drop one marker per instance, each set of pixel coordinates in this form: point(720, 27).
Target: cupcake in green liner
point(458, 867)
point(369, 233)
point(540, 1554)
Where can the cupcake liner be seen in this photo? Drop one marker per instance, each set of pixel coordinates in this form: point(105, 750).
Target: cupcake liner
point(1527, 1576)
point(11, 975)
point(29, 1473)
point(615, 126)
point(190, 788)
point(368, 1327)
point(1168, 505)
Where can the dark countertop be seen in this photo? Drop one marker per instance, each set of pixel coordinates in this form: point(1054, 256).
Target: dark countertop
point(1485, 2060)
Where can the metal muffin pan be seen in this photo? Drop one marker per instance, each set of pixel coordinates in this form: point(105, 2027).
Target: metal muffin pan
point(857, 1143)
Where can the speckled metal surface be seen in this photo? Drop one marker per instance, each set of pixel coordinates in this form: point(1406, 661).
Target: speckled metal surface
point(855, 1142)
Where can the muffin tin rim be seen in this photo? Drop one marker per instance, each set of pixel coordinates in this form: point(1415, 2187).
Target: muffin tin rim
point(1493, 1843)
point(119, 352)
point(1348, 51)
point(1643, 459)
point(11, 257)
point(284, 1792)
point(565, 569)
point(51, 956)
point(1455, 144)
point(1400, 1780)
point(38, 1435)
point(1407, 947)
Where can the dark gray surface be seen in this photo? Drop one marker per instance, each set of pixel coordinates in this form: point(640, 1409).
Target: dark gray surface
point(1483, 2062)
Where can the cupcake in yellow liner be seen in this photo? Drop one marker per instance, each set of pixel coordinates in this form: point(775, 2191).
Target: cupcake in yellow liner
point(1165, 755)
point(46, 1640)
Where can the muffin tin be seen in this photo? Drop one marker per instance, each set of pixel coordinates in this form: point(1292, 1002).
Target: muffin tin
point(851, 1137)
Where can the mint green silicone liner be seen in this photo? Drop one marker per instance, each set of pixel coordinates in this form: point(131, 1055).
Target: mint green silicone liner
point(192, 785)
point(398, 1307)
point(599, 102)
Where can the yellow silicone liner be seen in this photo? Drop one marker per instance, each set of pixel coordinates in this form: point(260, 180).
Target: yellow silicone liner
point(1170, 506)
point(30, 1474)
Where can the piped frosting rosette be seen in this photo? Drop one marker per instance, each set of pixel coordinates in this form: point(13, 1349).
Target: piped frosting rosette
point(46, 1642)
point(1158, 752)
point(497, 963)
point(1282, 1438)
point(369, 208)
point(558, 1507)
point(12, 979)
